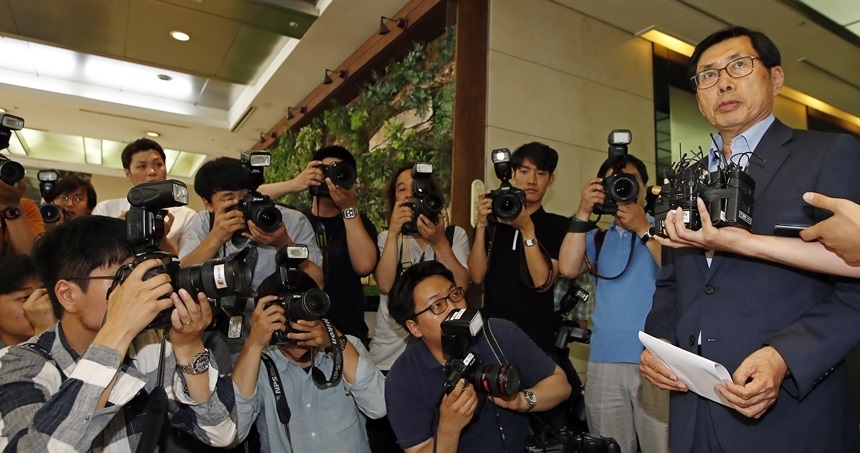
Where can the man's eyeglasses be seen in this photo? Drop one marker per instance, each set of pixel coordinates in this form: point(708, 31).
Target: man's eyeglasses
point(440, 305)
point(74, 200)
point(737, 68)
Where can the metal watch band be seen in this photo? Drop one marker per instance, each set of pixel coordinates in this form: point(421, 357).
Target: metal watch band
point(530, 242)
point(349, 213)
point(531, 399)
point(199, 364)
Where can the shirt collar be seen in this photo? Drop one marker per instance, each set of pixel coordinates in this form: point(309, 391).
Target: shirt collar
point(746, 142)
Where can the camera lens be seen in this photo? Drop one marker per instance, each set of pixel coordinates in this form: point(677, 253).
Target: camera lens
point(342, 175)
point(624, 188)
point(497, 380)
point(11, 172)
point(312, 304)
point(50, 213)
point(266, 216)
point(216, 278)
point(507, 206)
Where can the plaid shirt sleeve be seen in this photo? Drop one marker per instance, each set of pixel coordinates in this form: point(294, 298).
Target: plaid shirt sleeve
point(42, 412)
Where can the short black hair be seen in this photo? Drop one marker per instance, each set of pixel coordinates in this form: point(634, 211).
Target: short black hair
point(640, 167)
point(72, 183)
point(764, 47)
point(544, 157)
point(223, 173)
point(15, 271)
point(74, 249)
point(401, 298)
point(338, 152)
point(141, 144)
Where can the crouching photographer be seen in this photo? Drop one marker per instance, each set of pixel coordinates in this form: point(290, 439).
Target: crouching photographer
point(324, 410)
point(433, 391)
point(82, 385)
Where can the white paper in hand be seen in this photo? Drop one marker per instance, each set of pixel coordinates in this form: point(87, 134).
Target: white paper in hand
point(699, 373)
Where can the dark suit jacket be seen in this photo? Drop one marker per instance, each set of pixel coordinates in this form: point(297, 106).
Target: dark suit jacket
point(741, 304)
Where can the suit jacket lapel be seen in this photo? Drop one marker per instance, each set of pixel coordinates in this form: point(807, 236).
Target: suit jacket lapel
point(772, 153)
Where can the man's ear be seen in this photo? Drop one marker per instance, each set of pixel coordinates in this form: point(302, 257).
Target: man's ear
point(414, 328)
point(66, 293)
point(128, 174)
point(777, 78)
point(208, 205)
point(551, 180)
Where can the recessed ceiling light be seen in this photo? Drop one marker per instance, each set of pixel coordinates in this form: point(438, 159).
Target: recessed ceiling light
point(153, 134)
point(294, 24)
point(165, 77)
point(179, 36)
point(2, 110)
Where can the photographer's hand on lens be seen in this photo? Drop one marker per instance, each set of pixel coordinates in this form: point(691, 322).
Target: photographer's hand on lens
point(839, 233)
point(38, 311)
point(485, 208)
point(310, 176)
point(342, 198)
point(266, 321)
point(457, 408)
point(433, 233)
point(228, 221)
point(516, 402)
point(11, 195)
point(402, 213)
point(133, 304)
point(523, 223)
point(756, 382)
point(592, 193)
point(277, 239)
point(658, 374)
point(189, 318)
point(310, 334)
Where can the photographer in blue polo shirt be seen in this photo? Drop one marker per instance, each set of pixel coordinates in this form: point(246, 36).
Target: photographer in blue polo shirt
point(625, 263)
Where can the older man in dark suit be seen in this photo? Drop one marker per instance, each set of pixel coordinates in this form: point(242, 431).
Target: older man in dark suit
point(783, 330)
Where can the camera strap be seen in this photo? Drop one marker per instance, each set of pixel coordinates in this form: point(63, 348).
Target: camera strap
point(281, 405)
point(336, 356)
point(494, 344)
point(524, 268)
point(599, 237)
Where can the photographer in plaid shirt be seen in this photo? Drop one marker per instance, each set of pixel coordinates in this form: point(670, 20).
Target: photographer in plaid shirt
point(83, 384)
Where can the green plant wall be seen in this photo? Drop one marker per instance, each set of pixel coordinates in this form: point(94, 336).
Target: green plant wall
point(421, 82)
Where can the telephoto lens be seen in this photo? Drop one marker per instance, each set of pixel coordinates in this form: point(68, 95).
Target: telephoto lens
point(218, 277)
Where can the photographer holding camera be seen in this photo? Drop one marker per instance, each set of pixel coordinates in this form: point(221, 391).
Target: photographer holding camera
point(517, 257)
point(144, 161)
point(286, 380)
point(84, 384)
point(784, 331)
point(76, 197)
point(224, 227)
point(345, 237)
point(423, 415)
point(20, 220)
point(625, 263)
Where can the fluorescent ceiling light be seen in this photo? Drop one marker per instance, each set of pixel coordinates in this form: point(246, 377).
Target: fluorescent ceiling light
point(670, 42)
point(153, 134)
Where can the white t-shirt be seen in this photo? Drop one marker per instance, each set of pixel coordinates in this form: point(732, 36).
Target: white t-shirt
point(389, 339)
point(182, 216)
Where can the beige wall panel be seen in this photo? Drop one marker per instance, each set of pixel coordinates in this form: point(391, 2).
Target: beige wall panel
point(552, 35)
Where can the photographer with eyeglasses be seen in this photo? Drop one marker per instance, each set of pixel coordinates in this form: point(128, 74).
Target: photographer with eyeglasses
point(429, 406)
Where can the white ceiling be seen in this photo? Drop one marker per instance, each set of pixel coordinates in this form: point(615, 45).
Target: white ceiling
point(225, 78)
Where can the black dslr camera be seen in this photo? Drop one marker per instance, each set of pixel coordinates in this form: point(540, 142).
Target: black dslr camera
point(566, 329)
point(298, 294)
point(145, 228)
point(428, 202)
point(565, 441)
point(10, 171)
point(255, 206)
point(51, 213)
point(508, 201)
point(459, 330)
point(619, 187)
point(342, 174)
point(728, 193)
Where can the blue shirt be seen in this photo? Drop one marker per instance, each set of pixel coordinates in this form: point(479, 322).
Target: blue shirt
point(414, 387)
point(325, 418)
point(621, 305)
point(742, 145)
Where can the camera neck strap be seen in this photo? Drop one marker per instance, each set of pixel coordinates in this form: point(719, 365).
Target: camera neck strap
point(336, 356)
point(599, 237)
point(524, 268)
point(282, 407)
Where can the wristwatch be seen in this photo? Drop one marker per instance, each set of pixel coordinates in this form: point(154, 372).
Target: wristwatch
point(530, 242)
point(648, 235)
point(198, 365)
point(531, 398)
point(349, 213)
point(11, 213)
